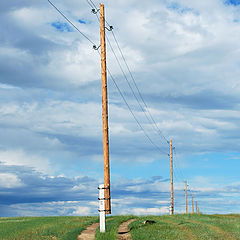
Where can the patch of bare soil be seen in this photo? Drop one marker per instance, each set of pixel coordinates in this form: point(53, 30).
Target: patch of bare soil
point(123, 230)
point(89, 233)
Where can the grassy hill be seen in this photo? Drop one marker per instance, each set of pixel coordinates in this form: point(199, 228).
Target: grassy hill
point(175, 227)
point(43, 228)
point(182, 227)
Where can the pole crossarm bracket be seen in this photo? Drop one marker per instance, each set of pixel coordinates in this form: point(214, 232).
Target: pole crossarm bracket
point(103, 198)
point(95, 11)
point(102, 210)
point(95, 47)
point(104, 188)
point(110, 28)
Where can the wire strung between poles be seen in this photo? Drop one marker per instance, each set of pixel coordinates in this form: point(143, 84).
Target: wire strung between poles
point(71, 23)
point(94, 46)
point(130, 88)
point(156, 128)
point(133, 79)
point(135, 84)
point(131, 111)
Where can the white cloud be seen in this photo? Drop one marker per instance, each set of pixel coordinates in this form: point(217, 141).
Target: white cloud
point(82, 211)
point(147, 211)
point(9, 180)
point(20, 158)
point(186, 64)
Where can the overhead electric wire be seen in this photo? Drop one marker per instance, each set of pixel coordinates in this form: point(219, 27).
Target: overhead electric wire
point(175, 162)
point(139, 93)
point(132, 93)
point(181, 173)
point(120, 66)
point(91, 4)
point(131, 111)
point(139, 124)
point(69, 21)
point(135, 84)
point(109, 74)
point(151, 119)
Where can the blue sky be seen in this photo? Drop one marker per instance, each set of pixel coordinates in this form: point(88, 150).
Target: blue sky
point(184, 56)
point(233, 2)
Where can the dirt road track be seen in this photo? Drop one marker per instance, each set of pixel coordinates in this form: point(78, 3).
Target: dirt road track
point(123, 230)
point(89, 233)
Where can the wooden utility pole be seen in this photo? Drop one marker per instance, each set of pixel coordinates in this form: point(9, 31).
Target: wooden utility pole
point(192, 205)
point(186, 196)
point(171, 156)
point(196, 207)
point(105, 113)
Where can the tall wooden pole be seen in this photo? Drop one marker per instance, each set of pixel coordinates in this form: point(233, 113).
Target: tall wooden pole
point(192, 205)
point(105, 113)
point(196, 207)
point(171, 156)
point(186, 196)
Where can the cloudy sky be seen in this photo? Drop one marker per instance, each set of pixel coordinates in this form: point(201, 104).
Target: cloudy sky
point(185, 58)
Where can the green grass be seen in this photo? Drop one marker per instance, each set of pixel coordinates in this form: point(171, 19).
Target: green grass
point(177, 227)
point(183, 227)
point(43, 228)
point(112, 228)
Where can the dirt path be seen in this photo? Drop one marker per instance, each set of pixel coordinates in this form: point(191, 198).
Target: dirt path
point(123, 230)
point(89, 233)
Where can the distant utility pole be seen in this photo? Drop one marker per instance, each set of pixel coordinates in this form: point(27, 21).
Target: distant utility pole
point(105, 113)
point(186, 195)
point(171, 156)
point(192, 205)
point(196, 207)
point(198, 210)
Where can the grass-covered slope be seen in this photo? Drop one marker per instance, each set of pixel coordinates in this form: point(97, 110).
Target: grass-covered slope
point(184, 227)
point(47, 228)
point(177, 227)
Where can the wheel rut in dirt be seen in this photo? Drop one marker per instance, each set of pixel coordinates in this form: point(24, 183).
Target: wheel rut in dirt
point(89, 232)
point(123, 230)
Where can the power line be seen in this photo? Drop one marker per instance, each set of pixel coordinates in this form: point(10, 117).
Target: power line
point(180, 172)
point(135, 84)
point(90, 4)
point(133, 79)
point(69, 21)
point(131, 111)
point(93, 4)
point(109, 74)
point(135, 96)
point(139, 93)
point(131, 91)
point(115, 83)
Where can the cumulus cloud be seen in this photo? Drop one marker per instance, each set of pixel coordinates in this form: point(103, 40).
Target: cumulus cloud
point(150, 211)
point(24, 191)
point(82, 211)
point(184, 56)
point(20, 158)
point(9, 180)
